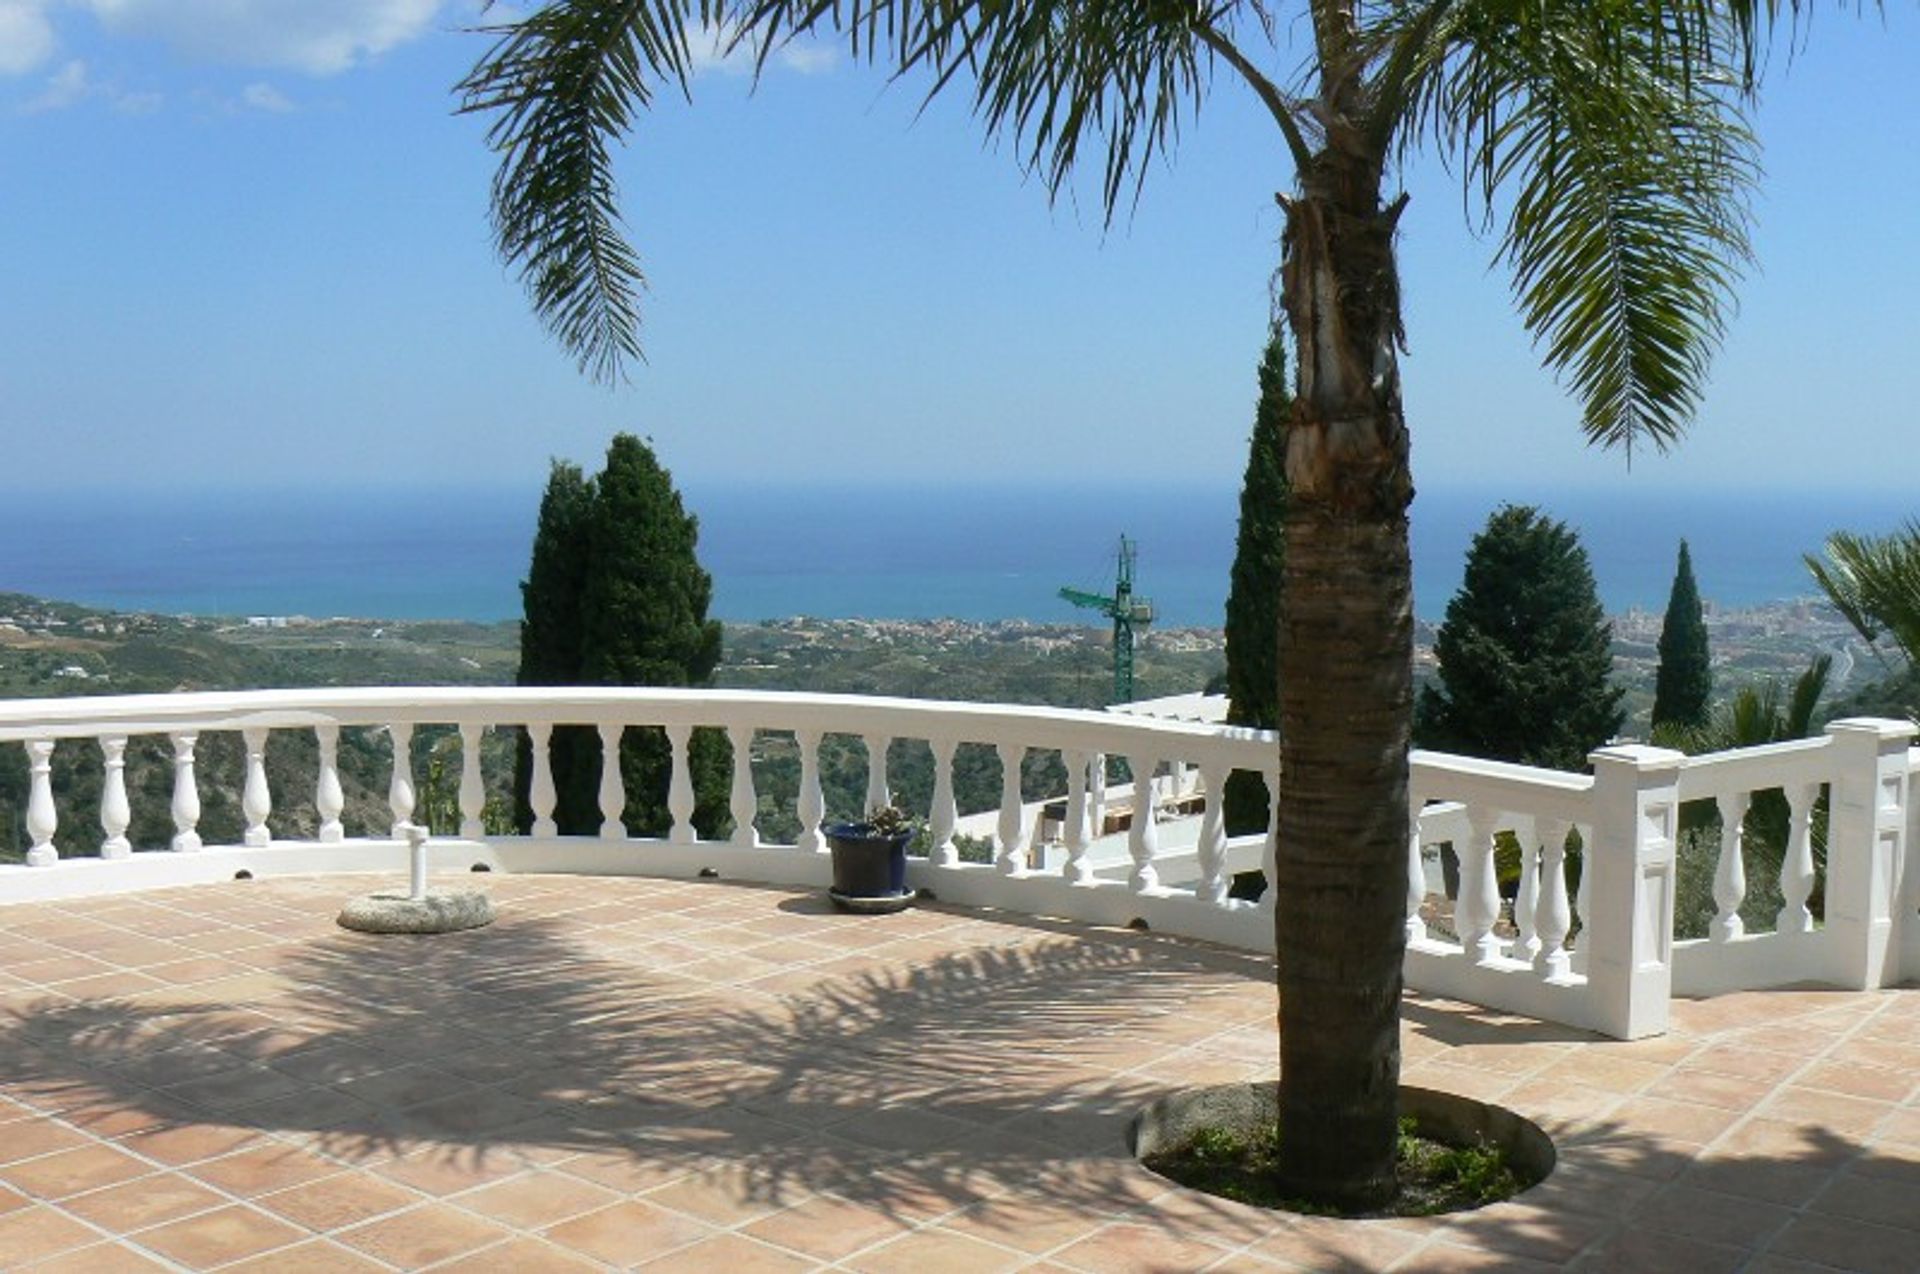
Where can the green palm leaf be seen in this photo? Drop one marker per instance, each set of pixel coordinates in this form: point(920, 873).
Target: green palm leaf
point(563, 84)
point(1620, 160)
point(1875, 582)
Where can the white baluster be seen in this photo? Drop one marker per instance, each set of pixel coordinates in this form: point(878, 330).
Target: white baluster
point(186, 794)
point(878, 795)
point(1796, 865)
point(1583, 900)
point(680, 798)
point(328, 798)
point(1212, 850)
point(1552, 916)
point(1097, 796)
point(400, 793)
point(613, 785)
point(42, 819)
point(1416, 883)
point(540, 793)
point(1077, 870)
point(1479, 903)
point(256, 799)
point(1730, 877)
point(1143, 837)
point(473, 790)
point(1527, 945)
point(1270, 854)
point(743, 802)
point(1011, 834)
point(115, 813)
point(812, 803)
point(942, 817)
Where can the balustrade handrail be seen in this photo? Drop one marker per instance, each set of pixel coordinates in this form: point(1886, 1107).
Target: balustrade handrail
point(1036, 726)
point(1757, 768)
point(1617, 979)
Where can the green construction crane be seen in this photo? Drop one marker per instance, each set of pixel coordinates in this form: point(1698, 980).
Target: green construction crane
point(1127, 612)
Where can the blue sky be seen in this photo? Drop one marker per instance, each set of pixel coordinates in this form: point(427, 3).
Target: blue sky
point(244, 242)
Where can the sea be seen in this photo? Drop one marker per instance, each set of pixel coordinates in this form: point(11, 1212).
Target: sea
point(970, 552)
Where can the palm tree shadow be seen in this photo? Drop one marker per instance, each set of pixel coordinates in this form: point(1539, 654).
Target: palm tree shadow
point(949, 1075)
point(986, 1066)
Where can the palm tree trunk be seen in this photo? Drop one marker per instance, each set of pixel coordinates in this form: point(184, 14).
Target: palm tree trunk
point(1346, 695)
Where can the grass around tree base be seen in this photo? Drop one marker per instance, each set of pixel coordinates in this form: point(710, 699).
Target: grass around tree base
point(1435, 1177)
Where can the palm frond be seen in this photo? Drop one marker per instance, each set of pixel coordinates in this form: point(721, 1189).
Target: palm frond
point(563, 84)
point(1051, 75)
point(1610, 139)
point(1875, 582)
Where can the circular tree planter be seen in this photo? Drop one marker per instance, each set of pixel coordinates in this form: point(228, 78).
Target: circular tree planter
point(869, 868)
point(1245, 1110)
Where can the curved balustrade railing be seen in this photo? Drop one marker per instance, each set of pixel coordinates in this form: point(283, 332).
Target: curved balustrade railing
point(1599, 953)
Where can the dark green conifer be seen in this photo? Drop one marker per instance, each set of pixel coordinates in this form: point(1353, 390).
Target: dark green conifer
point(1253, 601)
point(1685, 680)
point(1525, 652)
point(629, 609)
point(550, 647)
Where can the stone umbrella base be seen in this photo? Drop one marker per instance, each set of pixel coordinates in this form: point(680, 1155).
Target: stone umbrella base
point(436, 911)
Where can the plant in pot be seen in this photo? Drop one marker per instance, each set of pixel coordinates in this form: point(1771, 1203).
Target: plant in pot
point(870, 861)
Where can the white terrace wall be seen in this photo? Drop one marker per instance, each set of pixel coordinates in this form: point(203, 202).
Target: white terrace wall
point(1616, 976)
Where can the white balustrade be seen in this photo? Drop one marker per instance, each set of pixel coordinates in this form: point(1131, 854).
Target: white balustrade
point(743, 802)
point(541, 796)
point(1076, 868)
point(613, 785)
point(1478, 907)
point(944, 814)
point(1416, 884)
point(879, 796)
point(812, 802)
point(1526, 944)
point(328, 799)
point(1215, 884)
point(42, 818)
point(186, 795)
point(115, 812)
point(400, 791)
point(1143, 835)
point(1010, 839)
point(1796, 865)
point(1730, 872)
point(1552, 914)
point(1168, 871)
point(680, 796)
point(473, 792)
point(256, 795)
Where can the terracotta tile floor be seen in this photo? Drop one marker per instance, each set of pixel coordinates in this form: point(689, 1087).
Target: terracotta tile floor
point(705, 1076)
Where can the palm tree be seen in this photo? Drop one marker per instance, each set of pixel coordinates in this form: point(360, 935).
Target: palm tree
point(1875, 582)
point(1604, 139)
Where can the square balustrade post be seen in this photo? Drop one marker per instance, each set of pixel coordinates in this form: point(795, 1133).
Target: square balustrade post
point(1866, 851)
point(1629, 936)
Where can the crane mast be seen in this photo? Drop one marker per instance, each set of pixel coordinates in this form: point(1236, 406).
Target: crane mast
point(1127, 612)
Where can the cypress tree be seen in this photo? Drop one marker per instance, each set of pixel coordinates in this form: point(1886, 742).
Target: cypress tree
point(1525, 651)
point(643, 615)
point(622, 601)
point(1685, 680)
point(1253, 601)
point(550, 648)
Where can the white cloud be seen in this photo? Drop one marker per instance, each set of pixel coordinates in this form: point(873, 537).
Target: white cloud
point(809, 59)
point(265, 97)
point(73, 84)
point(26, 36)
point(318, 37)
point(710, 53)
point(65, 87)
